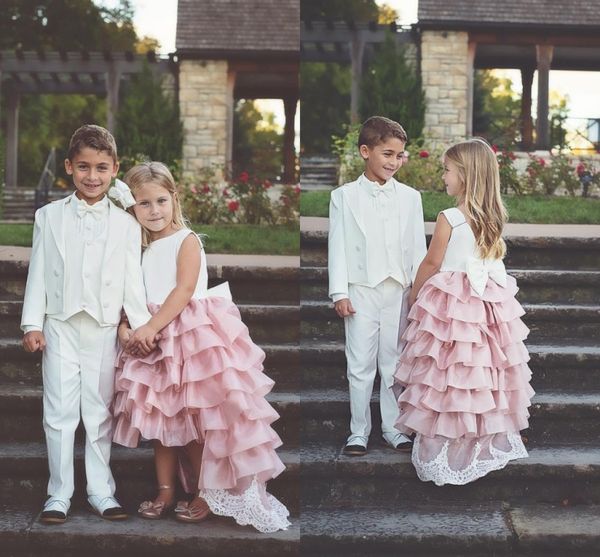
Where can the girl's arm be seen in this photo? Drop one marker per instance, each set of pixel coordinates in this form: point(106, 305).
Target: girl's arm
point(435, 255)
point(188, 270)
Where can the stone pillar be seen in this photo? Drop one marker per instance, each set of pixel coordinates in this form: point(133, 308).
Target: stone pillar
point(445, 75)
point(230, 100)
point(289, 154)
point(544, 60)
point(12, 138)
point(113, 81)
point(357, 50)
point(470, 86)
point(203, 101)
point(526, 123)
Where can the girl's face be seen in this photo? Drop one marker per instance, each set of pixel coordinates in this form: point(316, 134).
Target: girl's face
point(154, 210)
point(452, 179)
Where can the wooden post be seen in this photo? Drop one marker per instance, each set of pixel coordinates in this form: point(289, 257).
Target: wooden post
point(357, 50)
point(544, 60)
point(470, 85)
point(230, 104)
point(526, 122)
point(289, 154)
point(113, 81)
point(12, 138)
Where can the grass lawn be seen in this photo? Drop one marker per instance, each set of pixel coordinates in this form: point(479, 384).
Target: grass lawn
point(525, 209)
point(221, 238)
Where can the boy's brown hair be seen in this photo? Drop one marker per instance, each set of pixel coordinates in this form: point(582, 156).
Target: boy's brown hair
point(94, 137)
point(377, 129)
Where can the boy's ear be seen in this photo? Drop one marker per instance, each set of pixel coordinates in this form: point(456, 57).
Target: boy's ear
point(68, 167)
point(115, 169)
point(364, 151)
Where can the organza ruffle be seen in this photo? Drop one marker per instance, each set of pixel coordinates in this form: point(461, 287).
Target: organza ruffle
point(204, 383)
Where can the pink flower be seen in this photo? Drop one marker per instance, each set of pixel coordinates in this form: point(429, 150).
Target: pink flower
point(297, 188)
point(542, 162)
point(233, 205)
point(205, 188)
point(424, 154)
point(244, 176)
point(267, 184)
point(580, 170)
point(495, 148)
point(193, 189)
point(512, 156)
point(225, 193)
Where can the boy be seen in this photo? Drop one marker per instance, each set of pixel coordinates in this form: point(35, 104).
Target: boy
point(376, 243)
point(84, 268)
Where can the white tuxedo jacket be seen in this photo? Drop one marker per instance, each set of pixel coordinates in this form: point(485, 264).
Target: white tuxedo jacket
point(122, 281)
point(348, 262)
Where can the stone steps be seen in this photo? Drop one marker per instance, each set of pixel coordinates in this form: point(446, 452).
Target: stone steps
point(455, 530)
point(85, 534)
point(535, 286)
point(21, 414)
point(24, 474)
point(560, 367)
point(555, 417)
point(282, 364)
point(318, 173)
point(385, 478)
point(545, 321)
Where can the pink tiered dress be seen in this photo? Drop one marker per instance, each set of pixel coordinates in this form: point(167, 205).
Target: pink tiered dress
point(204, 383)
point(464, 367)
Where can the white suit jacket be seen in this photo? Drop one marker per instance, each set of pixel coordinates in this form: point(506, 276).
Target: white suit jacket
point(347, 258)
point(122, 280)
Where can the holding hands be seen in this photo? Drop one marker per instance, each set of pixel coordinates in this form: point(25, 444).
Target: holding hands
point(138, 342)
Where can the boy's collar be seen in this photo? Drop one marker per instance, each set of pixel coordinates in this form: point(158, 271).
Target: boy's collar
point(363, 178)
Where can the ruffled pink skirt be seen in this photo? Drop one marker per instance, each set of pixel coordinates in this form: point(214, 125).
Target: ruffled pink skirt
point(466, 379)
point(204, 383)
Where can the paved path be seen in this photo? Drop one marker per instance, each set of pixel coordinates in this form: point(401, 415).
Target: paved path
point(321, 224)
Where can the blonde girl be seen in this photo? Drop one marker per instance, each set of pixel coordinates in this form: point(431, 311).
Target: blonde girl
point(200, 395)
point(464, 364)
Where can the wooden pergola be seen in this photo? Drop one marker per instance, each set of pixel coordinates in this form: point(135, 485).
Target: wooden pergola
point(60, 72)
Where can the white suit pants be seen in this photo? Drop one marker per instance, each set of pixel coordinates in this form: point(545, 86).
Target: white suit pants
point(372, 342)
point(78, 374)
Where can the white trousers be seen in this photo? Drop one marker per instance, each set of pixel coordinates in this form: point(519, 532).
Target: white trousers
point(78, 373)
point(373, 342)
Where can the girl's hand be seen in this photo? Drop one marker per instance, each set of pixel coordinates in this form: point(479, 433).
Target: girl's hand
point(142, 340)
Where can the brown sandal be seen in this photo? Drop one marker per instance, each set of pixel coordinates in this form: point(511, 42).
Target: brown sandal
point(185, 512)
point(152, 510)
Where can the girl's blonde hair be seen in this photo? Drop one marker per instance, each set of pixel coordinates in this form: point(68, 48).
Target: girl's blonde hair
point(478, 171)
point(156, 173)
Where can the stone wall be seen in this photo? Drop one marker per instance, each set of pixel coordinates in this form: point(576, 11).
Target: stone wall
point(445, 73)
point(203, 101)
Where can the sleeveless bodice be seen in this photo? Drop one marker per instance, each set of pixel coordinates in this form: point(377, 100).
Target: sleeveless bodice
point(462, 245)
point(159, 265)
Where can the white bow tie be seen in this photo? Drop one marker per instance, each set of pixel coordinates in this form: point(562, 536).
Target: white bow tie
point(480, 270)
point(376, 191)
point(97, 210)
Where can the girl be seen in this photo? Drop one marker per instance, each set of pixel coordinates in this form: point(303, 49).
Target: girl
point(464, 364)
point(200, 395)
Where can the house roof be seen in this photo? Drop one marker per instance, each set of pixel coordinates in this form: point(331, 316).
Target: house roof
point(512, 13)
point(238, 27)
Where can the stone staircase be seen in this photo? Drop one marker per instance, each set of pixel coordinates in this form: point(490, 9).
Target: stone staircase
point(548, 504)
point(268, 300)
point(318, 173)
point(18, 204)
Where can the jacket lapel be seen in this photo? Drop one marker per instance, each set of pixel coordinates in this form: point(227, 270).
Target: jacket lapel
point(56, 217)
point(113, 230)
point(353, 200)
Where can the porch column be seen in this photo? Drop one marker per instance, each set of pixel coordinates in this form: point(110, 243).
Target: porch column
point(12, 138)
point(526, 122)
point(230, 109)
point(289, 155)
point(357, 50)
point(544, 60)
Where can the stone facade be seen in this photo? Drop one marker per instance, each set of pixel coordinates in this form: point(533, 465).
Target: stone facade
point(204, 101)
point(445, 72)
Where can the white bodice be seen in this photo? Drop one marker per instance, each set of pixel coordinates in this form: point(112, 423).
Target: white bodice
point(462, 254)
point(159, 265)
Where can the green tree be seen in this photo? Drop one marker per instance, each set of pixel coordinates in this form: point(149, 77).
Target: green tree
point(148, 123)
point(558, 112)
point(392, 87)
point(257, 142)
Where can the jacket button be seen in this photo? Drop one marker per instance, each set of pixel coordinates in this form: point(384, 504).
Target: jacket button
point(360, 266)
point(56, 273)
point(108, 283)
point(357, 248)
point(105, 305)
point(57, 294)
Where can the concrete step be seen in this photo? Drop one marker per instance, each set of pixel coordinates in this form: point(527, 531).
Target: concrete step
point(545, 321)
point(24, 475)
point(282, 364)
point(555, 417)
point(21, 535)
point(560, 367)
point(522, 252)
point(535, 286)
point(452, 530)
point(385, 478)
point(249, 284)
point(267, 323)
point(21, 414)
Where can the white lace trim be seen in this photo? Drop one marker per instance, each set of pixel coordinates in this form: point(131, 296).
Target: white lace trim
point(248, 507)
point(439, 472)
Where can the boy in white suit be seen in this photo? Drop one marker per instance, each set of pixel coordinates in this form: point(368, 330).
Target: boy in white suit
point(376, 243)
point(84, 269)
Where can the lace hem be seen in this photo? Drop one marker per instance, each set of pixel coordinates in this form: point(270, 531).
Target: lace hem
point(261, 510)
point(439, 471)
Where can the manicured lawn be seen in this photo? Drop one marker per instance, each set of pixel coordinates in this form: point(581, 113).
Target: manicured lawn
point(223, 238)
point(525, 209)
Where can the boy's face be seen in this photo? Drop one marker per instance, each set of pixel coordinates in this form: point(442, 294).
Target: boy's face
point(383, 160)
point(92, 173)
